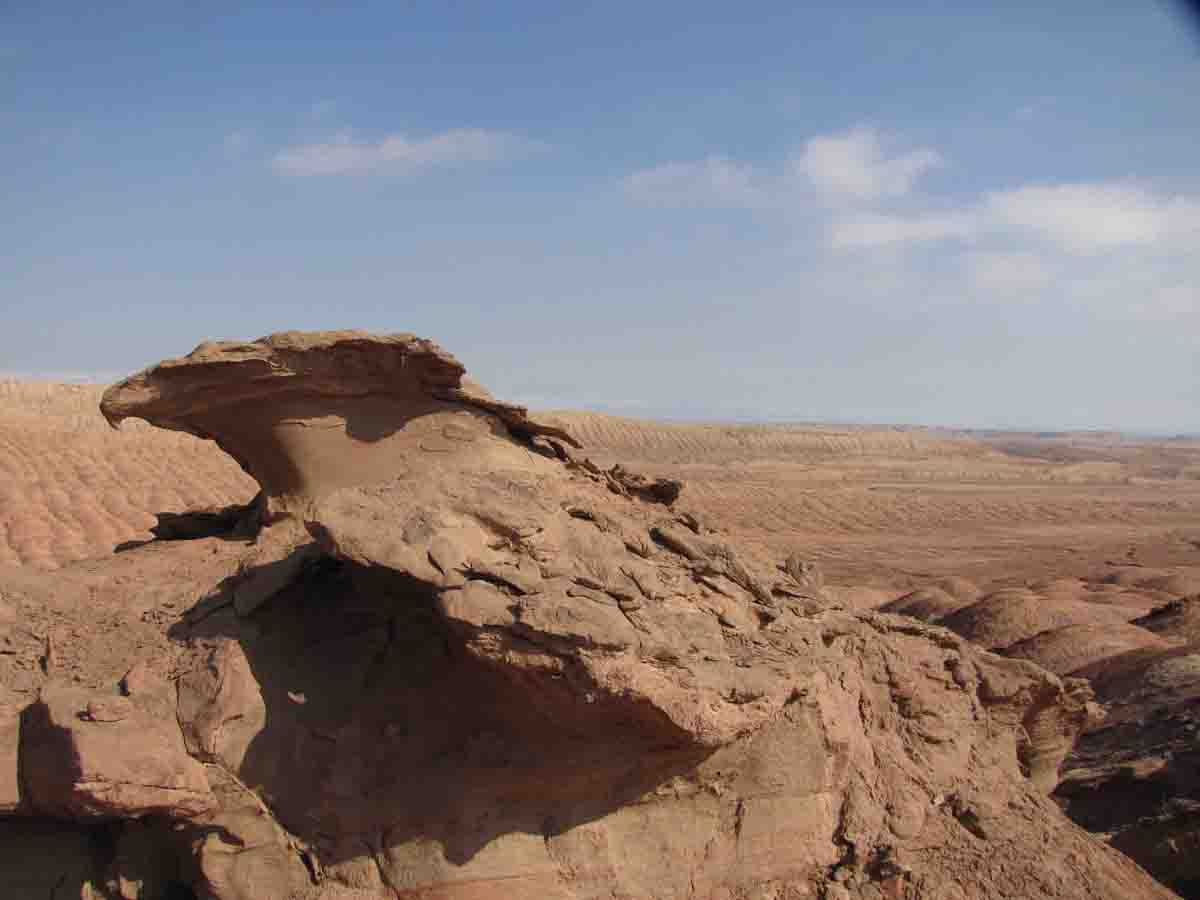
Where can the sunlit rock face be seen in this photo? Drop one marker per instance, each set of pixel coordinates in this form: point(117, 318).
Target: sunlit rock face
point(445, 656)
point(306, 413)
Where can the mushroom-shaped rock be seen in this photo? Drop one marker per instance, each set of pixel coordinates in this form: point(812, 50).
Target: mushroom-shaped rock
point(307, 412)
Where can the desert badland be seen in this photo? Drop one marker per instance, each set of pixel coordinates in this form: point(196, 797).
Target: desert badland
point(393, 637)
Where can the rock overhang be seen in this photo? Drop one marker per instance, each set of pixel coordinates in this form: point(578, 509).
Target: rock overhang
point(307, 412)
point(587, 602)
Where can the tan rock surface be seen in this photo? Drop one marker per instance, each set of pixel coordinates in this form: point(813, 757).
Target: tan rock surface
point(1073, 647)
point(10, 734)
point(461, 661)
point(927, 604)
point(86, 757)
point(706, 728)
point(1005, 617)
point(1136, 778)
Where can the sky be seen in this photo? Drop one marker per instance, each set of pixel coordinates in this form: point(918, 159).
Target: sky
point(972, 214)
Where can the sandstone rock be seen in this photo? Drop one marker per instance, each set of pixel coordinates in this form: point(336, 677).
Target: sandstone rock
point(255, 400)
point(524, 676)
point(10, 736)
point(806, 576)
point(1178, 619)
point(241, 853)
point(107, 709)
point(220, 707)
point(1147, 755)
point(1005, 617)
point(959, 588)
point(79, 768)
point(927, 604)
point(1068, 649)
point(141, 681)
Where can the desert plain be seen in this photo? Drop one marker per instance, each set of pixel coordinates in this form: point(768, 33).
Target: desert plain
point(1077, 551)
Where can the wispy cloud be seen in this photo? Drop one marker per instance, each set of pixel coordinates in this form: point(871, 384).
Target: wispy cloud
point(399, 154)
point(1120, 249)
point(1007, 272)
point(1084, 217)
point(1079, 218)
point(714, 180)
point(855, 164)
point(880, 230)
point(851, 166)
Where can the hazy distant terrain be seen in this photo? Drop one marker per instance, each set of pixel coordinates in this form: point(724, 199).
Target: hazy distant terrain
point(894, 505)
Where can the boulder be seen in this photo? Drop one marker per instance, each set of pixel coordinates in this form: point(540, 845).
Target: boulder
point(87, 757)
point(220, 706)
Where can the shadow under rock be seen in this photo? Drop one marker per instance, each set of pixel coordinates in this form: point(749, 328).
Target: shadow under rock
point(236, 522)
point(125, 546)
point(382, 730)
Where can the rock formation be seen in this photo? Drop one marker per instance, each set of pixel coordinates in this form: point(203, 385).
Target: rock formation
point(445, 656)
point(1137, 779)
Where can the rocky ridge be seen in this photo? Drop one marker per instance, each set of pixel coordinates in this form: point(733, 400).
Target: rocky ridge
point(444, 655)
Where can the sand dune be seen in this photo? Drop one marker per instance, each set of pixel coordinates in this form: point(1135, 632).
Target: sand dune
point(73, 488)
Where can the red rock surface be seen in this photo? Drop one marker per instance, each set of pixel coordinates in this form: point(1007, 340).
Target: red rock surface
point(446, 656)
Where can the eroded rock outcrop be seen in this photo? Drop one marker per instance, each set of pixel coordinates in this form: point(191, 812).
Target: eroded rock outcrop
point(93, 757)
point(459, 661)
point(303, 413)
point(1137, 778)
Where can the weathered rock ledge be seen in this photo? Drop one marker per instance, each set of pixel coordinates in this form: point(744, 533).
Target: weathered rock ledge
point(457, 661)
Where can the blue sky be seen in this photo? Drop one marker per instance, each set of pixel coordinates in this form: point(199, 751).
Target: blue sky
point(987, 215)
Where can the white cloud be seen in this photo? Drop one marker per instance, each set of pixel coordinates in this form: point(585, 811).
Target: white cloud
point(1117, 251)
point(1078, 218)
point(1172, 301)
point(853, 164)
point(1083, 217)
point(397, 154)
point(713, 180)
point(849, 165)
point(880, 230)
point(1007, 272)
